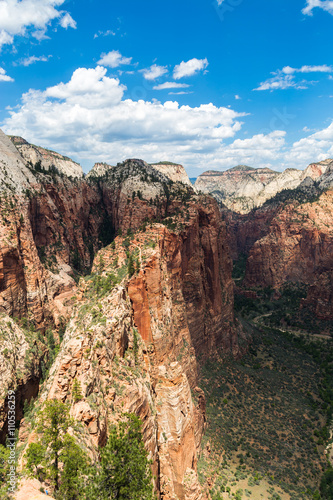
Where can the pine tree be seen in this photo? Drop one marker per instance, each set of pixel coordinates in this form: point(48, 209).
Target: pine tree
point(130, 266)
point(76, 391)
point(56, 457)
point(124, 472)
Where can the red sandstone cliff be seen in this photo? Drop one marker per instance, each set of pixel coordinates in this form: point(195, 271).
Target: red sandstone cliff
point(179, 300)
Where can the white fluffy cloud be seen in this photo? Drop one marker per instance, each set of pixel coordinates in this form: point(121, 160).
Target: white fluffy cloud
point(87, 89)
point(189, 68)
point(154, 72)
point(285, 78)
point(315, 147)
point(171, 85)
point(114, 59)
point(326, 5)
point(281, 82)
point(4, 77)
point(89, 119)
point(17, 16)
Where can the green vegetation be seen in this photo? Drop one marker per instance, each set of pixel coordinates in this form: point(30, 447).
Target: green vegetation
point(56, 457)
point(124, 471)
point(4, 470)
point(76, 391)
point(326, 485)
point(130, 265)
point(268, 417)
point(239, 267)
point(282, 309)
point(299, 194)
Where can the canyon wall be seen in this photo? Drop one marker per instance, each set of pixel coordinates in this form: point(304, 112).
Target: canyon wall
point(133, 337)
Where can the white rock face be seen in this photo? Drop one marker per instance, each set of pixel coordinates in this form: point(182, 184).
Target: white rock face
point(326, 179)
point(99, 169)
point(35, 154)
point(243, 188)
point(176, 173)
point(14, 175)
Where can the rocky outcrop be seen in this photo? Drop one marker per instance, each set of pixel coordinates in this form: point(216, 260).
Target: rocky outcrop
point(99, 170)
point(243, 188)
point(14, 175)
point(132, 340)
point(297, 248)
point(175, 172)
point(298, 245)
point(20, 354)
point(151, 375)
point(36, 155)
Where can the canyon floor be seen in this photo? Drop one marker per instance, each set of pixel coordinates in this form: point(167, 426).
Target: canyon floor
point(266, 413)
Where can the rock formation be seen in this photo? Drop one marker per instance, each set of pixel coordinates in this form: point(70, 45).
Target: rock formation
point(134, 336)
point(46, 158)
point(243, 188)
point(175, 172)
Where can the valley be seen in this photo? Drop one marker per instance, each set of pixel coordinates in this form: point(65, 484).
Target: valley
point(208, 316)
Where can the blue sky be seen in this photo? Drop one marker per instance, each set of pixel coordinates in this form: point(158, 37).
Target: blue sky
point(209, 84)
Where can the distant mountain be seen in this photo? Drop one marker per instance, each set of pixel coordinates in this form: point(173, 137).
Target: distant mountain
point(243, 188)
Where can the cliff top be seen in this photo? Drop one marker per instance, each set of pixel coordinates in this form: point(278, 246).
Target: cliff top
point(46, 158)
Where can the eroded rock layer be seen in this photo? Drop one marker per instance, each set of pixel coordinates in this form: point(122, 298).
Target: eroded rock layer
point(160, 295)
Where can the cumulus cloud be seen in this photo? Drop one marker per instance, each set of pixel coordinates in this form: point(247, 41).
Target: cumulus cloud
point(17, 16)
point(189, 68)
point(114, 59)
point(315, 147)
point(4, 77)
point(154, 72)
point(326, 5)
point(89, 119)
point(285, 78)
point(88, 88)
point(171, 85)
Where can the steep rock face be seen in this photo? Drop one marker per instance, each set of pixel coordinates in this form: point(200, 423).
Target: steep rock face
point(238, 187)
point(297, 248)
point(118, 372)
point(36, 154)
point(20, 353)
point(320, 296)
point(133, 348)
point(26, 286)
point(14, 176)
point(243, 230)
point(99, 170)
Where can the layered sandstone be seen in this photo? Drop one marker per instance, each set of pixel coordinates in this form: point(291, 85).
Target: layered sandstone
point(297, 248)
point(244, 188)
point(134, 346)
point(46, 159)
point(175, 172)
point(14, 175)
